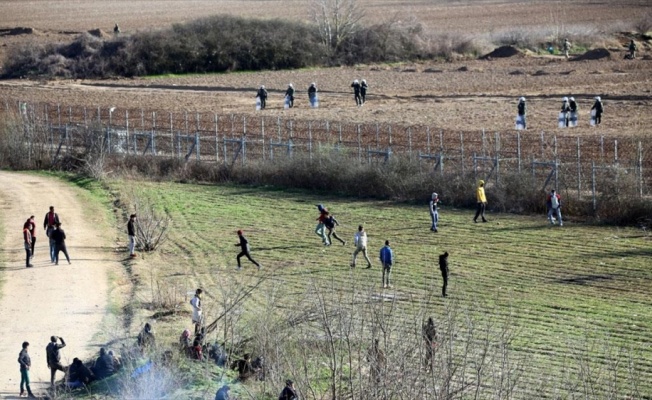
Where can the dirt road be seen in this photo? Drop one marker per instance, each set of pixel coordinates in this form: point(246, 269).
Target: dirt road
point(64, 300)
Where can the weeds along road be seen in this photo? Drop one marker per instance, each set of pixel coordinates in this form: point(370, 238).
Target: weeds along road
point(63, 300)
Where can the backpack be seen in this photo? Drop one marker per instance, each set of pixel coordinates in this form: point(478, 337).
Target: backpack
point(554, 201)
point(329, 222)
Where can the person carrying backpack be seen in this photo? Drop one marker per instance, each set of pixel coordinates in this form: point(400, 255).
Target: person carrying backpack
point(330, 223)
point(553, 201)
point(53, 356)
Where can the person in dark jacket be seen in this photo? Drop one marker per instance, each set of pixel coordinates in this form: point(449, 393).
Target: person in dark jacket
point(131, 231)
point(599, 109)
point(59, 237)
point(312, 94)
point(103, 367)
point(146, 337)
point(25, 364)
point(363, 91)
point(79, 374)
point(573, 111)
point(522, 111)
point(565, 111)
point(244, 367)
point(49, 224)
point(288, 392)
point(356, 92)
point(244, 246)
point(443, 267)
point(27, 239)
point(632, 49)
point(222, 393)
point(330, 223)
point(53, 356)
point(289, 93)
point(429, 333)
point(262, 95)
point(386, 260)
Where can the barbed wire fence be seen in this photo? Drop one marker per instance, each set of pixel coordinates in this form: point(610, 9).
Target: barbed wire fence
point(579, 166)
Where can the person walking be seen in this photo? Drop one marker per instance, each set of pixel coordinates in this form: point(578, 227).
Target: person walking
point(632, 49)
point(597, 109)
point(443, 267)
point(312, 95)
point(356, 92)
point(573, 111)
point(330, 223)
point(27, 238)
point(360, 242)
point(566, 47)
point(262, 95)
point(564, 114)
point(320, 229)
point(49, 224)
point(481, 199)
point(197, 319)
point(131, 232)
point(521, 114)
point(434, 211)
point(244, 246)
point(553, 202)
point(288, 392)
point(429, 333)
point(59, 237)
point(53, 356)
point(25, 364)
point(31, 225)
point(289, 96)
point(363, 91)
point(387, 260)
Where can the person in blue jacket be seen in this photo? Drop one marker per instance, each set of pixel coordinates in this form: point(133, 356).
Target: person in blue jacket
point(387, 260)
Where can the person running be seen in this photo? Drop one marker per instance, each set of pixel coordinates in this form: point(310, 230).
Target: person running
point(31, 225)
point(27, 238)
point(429, 333)
point(481, 199)
point(288, 392)
point(49, 224)
point(289, 94)
point(320, 228)
point(262, 95)
point(360, 242)
point(25, 364)
point(59, 237)
point(599, 109)
point(553, 202)
point(330, 223)
point(312, 94)
point(522, 111)
point(386, 260)
point(356, 92)
point(443, 267)
point(632, 49)
point(54, 357)
point(434, 211)
point(565, 111)
point(131, 231)
point(363, 91)
point(195, 302)
point(244, 246)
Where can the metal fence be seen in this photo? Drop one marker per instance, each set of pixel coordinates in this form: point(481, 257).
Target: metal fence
point(577, 165)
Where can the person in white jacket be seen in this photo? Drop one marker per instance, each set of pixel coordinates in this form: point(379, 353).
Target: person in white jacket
point(196, 310)
point(360, 241)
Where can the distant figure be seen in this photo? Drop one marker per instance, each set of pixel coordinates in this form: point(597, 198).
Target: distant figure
point(521, 113)
point(25, 364)
point(632, 50)
point(356, 92)
point(573, 111)
point(312, 95)
point(195, 302)
point(146, 338)
point(197, 351)
point(59, 237)
point(27, 239)
point(262, 95)
point(53, 356)
point(363, 91)
point(553, 203)
point(596, 111)
point(49, 224)
point(360, 242)
point(288, 392)
point(443, 267)
point(481, 199)
point(223, 393)
point(184, 341)
point(564, 113)
point(31, 225)
point(116, 29)
point(330, 223)
point(386, 260)
point(103, 367)
point(377, 361)
point(433, 206)
point(244, 251)
point(289, 96)
point(429, 333)
point(566, 47)
point(131, 232)
point(244, 367)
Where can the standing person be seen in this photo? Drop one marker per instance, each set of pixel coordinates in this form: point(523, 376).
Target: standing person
point(49, 224)
point(312, 95)
point(573, 111)
point(521, 113)
point(25, 364)
point(31, 225)
point(481, 202)
point(387, 260)
point(429, 333)
point(53, 356)
point(27, 238)
point(360, 242)
point(289, 95)
point(598, 109)
point(564, 114)
point(320, 228)
point(195, 302)
point(363, 91)
point(632, 50)
point(330, 223)
point(443, 267)
point(59, 237)
point(244, 246)
point(553, 202)
point(434, 211)
point(566, 47)
point(262, 95)
point(131, 231)
point(356, 92)
point(288, 392)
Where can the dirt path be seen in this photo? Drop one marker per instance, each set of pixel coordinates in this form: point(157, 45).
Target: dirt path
point(64, 300)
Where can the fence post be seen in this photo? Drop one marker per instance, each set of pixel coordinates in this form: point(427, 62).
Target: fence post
point(153, 133)
point(497, 146)
point(475, 168)
point(171, 136)
point(579, 171)
point(310, 140)
point(556, 164)
point(377, 134)
point(640, 169)
point(518, 150)
point(409, 141)
point(616, 151)
point(602, 150)
point(593, 183)
point(543, 144)
point(262, 132)
point(428, 138)
point(278, 127)
point(359, 144)
point(217, 143)
point(127, 128)
point(484, 153)
point(390, 136)
point(462, 151)
point(197, 150)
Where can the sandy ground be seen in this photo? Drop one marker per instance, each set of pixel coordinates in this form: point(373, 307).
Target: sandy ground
point(64, 300)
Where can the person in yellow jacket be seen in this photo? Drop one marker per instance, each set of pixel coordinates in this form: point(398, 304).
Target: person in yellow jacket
point(482, 202)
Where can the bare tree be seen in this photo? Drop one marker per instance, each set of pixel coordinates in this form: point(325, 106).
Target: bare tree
point(337, 20)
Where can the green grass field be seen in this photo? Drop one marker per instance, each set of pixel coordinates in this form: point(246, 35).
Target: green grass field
point(575, 300)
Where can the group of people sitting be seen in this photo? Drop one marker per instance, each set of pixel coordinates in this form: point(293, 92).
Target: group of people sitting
point(105, 365)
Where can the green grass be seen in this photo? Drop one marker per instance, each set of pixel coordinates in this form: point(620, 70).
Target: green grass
point(559, 289)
